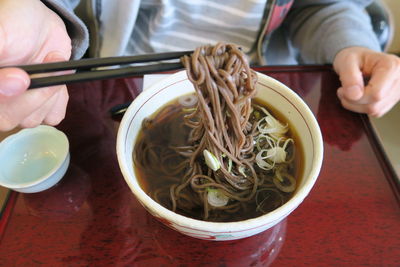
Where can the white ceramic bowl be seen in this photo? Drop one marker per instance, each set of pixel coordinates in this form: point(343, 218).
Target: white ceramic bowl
point(280, 97)
point(34, 159)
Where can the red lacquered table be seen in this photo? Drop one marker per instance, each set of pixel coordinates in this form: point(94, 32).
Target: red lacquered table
point(350, 218)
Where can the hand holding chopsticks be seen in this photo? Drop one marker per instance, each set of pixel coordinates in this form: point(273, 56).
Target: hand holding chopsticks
point(85, 68)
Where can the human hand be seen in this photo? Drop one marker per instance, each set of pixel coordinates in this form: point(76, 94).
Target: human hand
point(381, 92)
point(30, 33)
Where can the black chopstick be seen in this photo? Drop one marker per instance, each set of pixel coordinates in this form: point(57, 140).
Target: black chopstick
point(102, 74)
point(100, 62)
point(85, 68)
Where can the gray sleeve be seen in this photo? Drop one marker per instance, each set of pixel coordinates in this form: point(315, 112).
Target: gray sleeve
point(320, 29)
point(77, 30)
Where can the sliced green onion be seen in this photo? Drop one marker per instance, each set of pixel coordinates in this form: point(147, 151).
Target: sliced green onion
point(241, 170)
point(188, 100)
point(211, 160)
point(216, 198)
point(186, 110)
point(284, 182)
point(270, 125)
point(277, 154)
point(263, 162)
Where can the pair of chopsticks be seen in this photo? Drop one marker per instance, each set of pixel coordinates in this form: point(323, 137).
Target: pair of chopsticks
point(85, 68)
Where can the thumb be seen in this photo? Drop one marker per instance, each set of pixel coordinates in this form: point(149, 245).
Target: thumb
point(351, 77)
point(13, 82)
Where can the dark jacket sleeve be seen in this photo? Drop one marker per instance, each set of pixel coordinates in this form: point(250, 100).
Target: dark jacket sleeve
point(76, 28)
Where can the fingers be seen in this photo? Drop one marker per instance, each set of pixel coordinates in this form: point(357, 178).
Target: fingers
point(15, 111)
point(51, 112)
point(59, 108)
point(375, 109)
point(13, 82)
point(30, 33)
point(383, 89)
point(29, 108)
point(384, 74)
point(351, 77)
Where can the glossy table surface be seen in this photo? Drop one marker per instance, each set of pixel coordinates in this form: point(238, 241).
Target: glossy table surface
point(350, 218)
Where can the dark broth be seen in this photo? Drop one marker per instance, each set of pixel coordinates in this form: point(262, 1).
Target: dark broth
point(165, 129)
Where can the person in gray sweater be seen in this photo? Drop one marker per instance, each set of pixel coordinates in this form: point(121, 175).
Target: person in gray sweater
point(270, 32)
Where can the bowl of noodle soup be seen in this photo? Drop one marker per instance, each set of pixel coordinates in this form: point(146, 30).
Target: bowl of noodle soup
point(240, 174)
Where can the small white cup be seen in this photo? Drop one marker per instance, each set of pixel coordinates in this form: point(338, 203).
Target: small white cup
point(34, 159)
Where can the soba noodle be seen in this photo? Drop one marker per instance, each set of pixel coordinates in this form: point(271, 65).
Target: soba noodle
point(235, 152)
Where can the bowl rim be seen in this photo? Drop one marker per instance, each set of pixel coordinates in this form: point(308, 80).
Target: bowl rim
point(272, 217)
point(23, 133)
